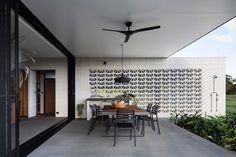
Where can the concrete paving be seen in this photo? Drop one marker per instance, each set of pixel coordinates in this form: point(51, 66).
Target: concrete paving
point(30, 127)
point(73, 141)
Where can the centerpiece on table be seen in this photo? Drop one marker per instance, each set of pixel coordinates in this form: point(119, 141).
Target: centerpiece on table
point(123, 100)
point(119, 104)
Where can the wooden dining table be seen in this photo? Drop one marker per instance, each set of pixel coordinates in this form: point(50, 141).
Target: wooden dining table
point(111, 111)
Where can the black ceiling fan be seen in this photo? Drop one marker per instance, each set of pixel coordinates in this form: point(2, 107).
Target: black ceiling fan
point(129, 32)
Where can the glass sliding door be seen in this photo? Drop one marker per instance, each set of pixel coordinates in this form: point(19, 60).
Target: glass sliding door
point(13, 85)
point(47, 94)
point(9, 132)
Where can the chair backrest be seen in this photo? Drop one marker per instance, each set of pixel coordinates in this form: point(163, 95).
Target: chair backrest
point(125, 116)
point(93, 110)
point(149, 107)
point(97, 109)
point(155, 109)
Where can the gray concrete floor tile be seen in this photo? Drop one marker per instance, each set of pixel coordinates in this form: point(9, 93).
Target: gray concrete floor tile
point(30, 127)
point(73, 141)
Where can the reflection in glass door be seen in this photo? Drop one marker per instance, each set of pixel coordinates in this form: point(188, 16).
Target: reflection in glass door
point(9, 79)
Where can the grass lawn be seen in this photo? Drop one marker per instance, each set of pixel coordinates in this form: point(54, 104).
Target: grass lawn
point(231, 103)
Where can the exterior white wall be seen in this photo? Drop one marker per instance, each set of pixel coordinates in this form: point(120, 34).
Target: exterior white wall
point(41, 94)
point(32, 94)
point(60, 66)
point(210, 67)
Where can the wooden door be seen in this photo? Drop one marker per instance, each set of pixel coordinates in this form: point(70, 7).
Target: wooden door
point(38, 73)
point(24, 99)
point(49, 96)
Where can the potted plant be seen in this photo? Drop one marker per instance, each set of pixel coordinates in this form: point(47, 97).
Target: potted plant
point(133, 97)
point(80, 110)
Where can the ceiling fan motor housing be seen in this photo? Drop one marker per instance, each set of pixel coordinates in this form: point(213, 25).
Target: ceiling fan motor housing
point(128, 23)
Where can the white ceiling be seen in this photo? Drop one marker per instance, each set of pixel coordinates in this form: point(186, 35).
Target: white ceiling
point(34, 42)
point(78, 23)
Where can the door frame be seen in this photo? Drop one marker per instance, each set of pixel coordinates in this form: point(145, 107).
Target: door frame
point(27, 147)
point(9, 91)
point(54, 89)
point(45, 95)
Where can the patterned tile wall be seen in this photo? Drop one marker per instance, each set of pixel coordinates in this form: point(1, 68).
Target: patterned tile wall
point(175, 90)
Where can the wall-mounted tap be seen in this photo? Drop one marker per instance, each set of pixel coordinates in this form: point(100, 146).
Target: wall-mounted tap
point(214, 77)
point(214, 94)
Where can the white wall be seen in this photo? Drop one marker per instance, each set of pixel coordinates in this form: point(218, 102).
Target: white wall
point(41, 94)
point(32, 94)
point(60, 67)
point(209, 66)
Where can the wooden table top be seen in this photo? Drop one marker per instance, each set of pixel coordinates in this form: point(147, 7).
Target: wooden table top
point(109, 108)
point(104, 99)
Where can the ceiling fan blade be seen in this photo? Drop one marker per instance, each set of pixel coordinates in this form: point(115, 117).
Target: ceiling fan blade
point(127, 38)
point(111, 30)
point(146, 29)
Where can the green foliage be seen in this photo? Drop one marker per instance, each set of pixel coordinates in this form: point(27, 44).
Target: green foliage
point(134, 97)
point(220, 129)
point(80, 110)
point(230, 86)
point(231, 103)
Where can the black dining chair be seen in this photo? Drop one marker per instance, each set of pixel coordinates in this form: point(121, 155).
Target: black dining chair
point(144, 118)
point(125, 119)
point(92, 119)
point(95, 116)
point(154, 117)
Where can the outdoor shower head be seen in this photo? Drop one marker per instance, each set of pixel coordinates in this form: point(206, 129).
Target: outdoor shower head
point(214, 77)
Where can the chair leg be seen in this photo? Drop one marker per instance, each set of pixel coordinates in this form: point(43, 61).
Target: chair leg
point(152, 121)
point(94, 123)
point(138, 124)
point(90, 126)
point(148, 119)
point(107, 125)
point(134, 137)
point(158, 127)
point(112, 120)
point(115, 135)
point(143, 129)
point(130, 134)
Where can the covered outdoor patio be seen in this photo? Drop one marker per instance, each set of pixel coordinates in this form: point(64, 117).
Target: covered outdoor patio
point(174, 141)
point(89, 46)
